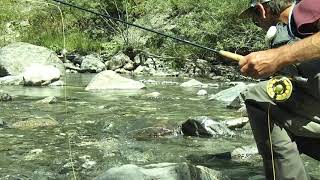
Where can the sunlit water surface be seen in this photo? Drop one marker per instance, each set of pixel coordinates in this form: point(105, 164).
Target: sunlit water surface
point(94, 131)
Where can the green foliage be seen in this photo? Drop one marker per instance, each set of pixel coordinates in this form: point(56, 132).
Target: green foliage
point(214, 24)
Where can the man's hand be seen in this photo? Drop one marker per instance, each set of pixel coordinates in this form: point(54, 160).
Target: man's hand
point(260, 64)
point(265, 63)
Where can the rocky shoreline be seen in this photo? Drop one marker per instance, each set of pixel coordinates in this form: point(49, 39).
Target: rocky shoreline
point(30, 65)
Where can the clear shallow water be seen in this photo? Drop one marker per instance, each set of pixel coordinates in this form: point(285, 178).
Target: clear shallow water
point(95, 127)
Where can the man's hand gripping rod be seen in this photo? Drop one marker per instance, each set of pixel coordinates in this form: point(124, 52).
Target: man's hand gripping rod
point(279, 88)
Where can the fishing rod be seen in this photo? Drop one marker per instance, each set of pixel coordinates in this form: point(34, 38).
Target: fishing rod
point(230, 55)
point(279, 88)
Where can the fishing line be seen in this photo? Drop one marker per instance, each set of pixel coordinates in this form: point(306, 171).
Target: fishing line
point(230, 55)
point(271, 146)
point(64, 51)
point(135, 25)
point(227, 54)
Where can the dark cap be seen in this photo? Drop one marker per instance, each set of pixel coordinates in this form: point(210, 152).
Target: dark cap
point(247, 12)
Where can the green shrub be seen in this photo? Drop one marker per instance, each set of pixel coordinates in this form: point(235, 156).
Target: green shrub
point(214, 24)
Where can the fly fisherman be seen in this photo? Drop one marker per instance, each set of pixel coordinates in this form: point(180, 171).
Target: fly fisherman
point(294, 124)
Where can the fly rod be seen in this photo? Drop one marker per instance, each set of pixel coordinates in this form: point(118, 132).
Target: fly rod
point(230, 55)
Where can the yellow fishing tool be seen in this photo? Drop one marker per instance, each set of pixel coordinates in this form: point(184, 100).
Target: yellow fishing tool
point(279, 88)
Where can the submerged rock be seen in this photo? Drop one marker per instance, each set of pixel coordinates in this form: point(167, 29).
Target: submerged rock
point(33, 154)
point(2, 123)
point(203, 126)
point(48, 100)
point(245, 153)
point(150, 132)
point(162, 171)
point(193, 83)
point(5, 96)
point(202, 92)
point(57, 83)
point(110, 80)
point(153, 95)
point(35, 123)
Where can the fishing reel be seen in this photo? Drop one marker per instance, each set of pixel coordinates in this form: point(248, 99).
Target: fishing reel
point(279, 88)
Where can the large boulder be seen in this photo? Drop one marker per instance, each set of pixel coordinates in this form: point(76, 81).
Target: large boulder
point(110, 80)
point(16, 57)
point(162, 171)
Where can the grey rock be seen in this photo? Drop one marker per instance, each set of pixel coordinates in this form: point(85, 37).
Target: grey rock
point(129, 66)
point(218, 78)
point(32, 123)
point(5, 96)
point(109, 146)
point(198, 68)
point(193, 83)
point(16, 57)
point(2, 123)
point(57, 83)
point(70, 66)
point(214, 85)
point(108, 80)
point(230, 94)
point(237, 103)
point(257, 177)
point(236, 123)
point(140, 59)
point(141, 70)
point(202, 92)
point(74, 58)
point(48, 100)
point(150, 132)
point(245, 152)
point(153, 95)
point(12, 80)
point(243, 111)
point(162, 171)
point(40, 75)
point(117, 61)
point(122, 71)
point(92, 63)
point(203, 126)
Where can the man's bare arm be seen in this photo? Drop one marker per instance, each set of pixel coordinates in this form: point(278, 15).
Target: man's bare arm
point(265, 63)
point(304, 50)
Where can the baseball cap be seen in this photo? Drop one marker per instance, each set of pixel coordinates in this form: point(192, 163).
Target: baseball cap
point(247, 12)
